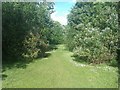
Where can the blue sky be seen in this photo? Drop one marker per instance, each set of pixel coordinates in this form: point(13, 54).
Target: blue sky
point(62, 9)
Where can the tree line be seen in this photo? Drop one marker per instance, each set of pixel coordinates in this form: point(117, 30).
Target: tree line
point(27, 30)
point(92, 32)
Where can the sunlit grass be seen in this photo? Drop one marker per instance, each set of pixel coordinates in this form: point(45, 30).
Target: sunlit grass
point(59, 71)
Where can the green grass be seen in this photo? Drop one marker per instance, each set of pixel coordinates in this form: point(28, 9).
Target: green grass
point(60, 71)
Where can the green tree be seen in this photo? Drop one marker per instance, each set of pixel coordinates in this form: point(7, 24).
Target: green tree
point(93, 32)
point(26, 26)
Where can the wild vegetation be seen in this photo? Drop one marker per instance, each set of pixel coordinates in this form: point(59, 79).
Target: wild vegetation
point(92, 32)
point(91, 36)
point(28, 30)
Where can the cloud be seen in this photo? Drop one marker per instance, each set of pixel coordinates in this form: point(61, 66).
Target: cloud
point(60, 18)
point(74, 1)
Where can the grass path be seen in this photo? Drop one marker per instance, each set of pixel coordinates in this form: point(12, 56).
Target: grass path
point(59, 71)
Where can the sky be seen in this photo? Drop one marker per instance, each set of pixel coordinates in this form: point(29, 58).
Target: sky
point(62, 9)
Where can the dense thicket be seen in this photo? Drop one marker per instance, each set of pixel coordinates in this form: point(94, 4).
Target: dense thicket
point(27, 29)
point(92, 31)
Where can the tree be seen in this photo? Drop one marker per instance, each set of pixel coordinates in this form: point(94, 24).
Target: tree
point(25, 29)
point(93, 32)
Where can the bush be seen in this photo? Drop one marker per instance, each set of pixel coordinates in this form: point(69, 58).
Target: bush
point(30, 46)
point(93, 33)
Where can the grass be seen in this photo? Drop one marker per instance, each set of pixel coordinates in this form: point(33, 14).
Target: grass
point(58, 70)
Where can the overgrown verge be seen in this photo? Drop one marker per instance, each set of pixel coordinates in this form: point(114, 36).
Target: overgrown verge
point(92, 32)
point(28, 31)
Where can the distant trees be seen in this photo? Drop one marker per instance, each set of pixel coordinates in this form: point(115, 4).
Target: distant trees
point(56, 33)
point(92, 32)
point(28, 29)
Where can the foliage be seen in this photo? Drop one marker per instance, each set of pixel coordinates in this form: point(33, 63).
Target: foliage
point(93, 32)
point(30, 44)
point(56, 33)
point(28, 29)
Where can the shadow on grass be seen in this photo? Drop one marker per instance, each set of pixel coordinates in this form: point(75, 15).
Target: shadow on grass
point(47, 54)
point(44, 55)
point(52, 47)
point(19, 64)
point(4, 76)
point(80, 59)
point(13, 64)
point(83, 59)
point(113, 64)
point(23, 63)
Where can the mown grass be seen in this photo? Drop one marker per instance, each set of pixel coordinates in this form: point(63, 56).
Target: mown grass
point(58, 70)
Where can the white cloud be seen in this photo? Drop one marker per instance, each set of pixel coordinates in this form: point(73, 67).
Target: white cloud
point(74, 1)
point(60, 18)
